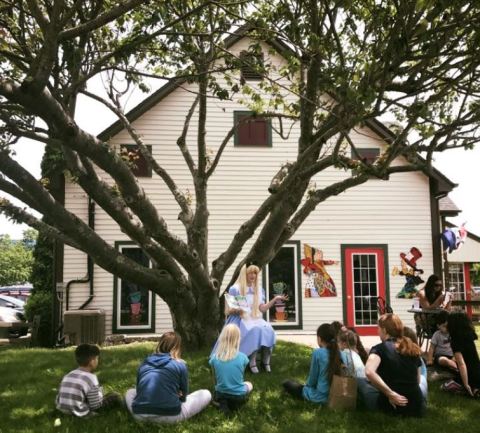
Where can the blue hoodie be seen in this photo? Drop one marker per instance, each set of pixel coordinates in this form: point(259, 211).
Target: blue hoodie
point(160, 380)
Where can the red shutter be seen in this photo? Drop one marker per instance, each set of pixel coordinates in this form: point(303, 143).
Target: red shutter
point(252, 133)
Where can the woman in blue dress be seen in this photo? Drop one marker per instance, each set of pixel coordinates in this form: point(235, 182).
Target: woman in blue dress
point(256, 334)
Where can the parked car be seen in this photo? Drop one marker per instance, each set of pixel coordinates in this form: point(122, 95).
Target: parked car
point(11, 302)
point(476, 290)
point(19, 291)
point(12, 323)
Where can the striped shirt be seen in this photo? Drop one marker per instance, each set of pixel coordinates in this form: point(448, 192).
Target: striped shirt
point(79, 393)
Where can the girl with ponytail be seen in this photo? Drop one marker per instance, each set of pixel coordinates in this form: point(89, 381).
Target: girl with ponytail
point(325, 363)
point(393, 368)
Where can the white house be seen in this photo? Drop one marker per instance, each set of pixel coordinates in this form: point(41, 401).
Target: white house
point(362, 232)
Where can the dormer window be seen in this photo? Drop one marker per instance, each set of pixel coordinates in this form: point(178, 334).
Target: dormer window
point(252, 66)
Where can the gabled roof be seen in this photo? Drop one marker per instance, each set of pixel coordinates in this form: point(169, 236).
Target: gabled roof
point(447, 207)
point(442, 185)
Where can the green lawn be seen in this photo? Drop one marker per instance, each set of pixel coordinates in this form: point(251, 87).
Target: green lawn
point(29, 380)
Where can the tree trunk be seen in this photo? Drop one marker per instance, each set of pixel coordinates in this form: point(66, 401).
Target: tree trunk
point(198, 328)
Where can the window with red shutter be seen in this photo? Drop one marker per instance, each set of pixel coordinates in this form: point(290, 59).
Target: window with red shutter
point(253, 131)
point(137, 162)
point(367, 155)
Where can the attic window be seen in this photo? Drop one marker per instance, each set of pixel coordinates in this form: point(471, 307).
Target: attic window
point(367, 155)
point(252, 65)
point(255, 132)
point(136, 161)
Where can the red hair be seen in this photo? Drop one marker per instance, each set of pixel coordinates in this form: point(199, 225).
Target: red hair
point(393, 326)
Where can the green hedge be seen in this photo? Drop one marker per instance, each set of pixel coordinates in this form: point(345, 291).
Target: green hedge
point(40, 303)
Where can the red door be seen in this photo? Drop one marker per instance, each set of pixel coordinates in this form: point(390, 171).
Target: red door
point(365, 282)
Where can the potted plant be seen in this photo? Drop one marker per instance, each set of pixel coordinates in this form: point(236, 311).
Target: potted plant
point(279, 289)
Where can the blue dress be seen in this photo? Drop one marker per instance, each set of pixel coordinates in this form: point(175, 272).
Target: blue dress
point(255, 332)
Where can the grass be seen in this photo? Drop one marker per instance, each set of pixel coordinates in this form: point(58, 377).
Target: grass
point(29, 379)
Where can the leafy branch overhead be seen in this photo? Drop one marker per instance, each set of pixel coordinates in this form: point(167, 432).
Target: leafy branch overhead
point(344, 66)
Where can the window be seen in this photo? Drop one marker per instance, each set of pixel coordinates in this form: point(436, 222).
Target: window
point(282, 276)
point(457, 281)
point(253, 131)
point(133, 305)
point(137, 162)
point(251, 66)
point(367, 155)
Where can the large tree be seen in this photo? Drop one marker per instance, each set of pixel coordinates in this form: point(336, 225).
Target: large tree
point(348, 63)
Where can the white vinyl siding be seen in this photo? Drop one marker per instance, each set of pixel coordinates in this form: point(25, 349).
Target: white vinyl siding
point(395, 213)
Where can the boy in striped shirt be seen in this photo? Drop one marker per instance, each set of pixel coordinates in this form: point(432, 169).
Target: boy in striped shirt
point(80, 393)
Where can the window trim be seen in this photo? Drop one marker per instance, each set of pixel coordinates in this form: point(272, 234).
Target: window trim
point(117, 281)
point(298, 278)
point(236, 115)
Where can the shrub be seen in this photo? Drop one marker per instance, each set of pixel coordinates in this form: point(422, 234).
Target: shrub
point(40, 303)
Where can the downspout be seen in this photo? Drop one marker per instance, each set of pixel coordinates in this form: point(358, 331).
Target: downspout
point(89, 277)
point(436, 226)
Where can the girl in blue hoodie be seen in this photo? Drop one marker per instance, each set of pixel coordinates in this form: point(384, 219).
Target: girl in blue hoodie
point(161, 394)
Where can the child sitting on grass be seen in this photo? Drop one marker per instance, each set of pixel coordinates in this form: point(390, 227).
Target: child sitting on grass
point(229, 365)
point(347, 343)
point(161, 394)
point(325, 363)
point(440, 352)
point(80, 393)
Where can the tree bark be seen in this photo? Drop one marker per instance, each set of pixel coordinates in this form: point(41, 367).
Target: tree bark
point(198, 327)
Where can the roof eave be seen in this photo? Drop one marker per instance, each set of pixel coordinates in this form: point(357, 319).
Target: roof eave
point(443, 184)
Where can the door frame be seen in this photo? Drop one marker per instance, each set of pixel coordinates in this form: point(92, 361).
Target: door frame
point(382, 271)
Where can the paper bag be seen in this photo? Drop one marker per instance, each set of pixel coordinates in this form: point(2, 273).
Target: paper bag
point(343, 393)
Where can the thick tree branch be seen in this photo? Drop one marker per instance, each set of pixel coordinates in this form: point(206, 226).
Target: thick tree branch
point(45, 106)
point(101, 20)
point(186, 214)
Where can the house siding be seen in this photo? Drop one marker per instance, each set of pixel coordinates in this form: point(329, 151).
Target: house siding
point(395, 213)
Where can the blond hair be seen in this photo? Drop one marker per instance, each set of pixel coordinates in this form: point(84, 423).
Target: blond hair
point(242, 283)
point(228, 343)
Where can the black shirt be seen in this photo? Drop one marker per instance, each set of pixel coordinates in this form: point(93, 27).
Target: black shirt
point(470, 356)
point(400, 373)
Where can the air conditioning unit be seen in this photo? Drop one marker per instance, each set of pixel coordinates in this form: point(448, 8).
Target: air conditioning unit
point(84, 326)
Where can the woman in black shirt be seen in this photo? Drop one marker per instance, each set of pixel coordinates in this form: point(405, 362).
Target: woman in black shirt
point(462, 340)
point(393, 367)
